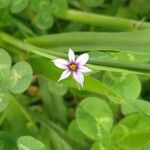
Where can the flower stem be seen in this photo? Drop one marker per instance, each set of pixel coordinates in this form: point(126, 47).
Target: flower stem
point(104, 21)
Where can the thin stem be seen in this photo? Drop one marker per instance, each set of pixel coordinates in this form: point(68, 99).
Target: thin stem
point(109, 22)
point(5, 113)
point(61, 132)
point(23, 46)
point(24, 112)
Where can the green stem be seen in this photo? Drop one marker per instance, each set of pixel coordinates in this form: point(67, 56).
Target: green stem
point(23, 46)
point(6, 112)
point(61, 132)
point(24, 112)
point(109, 22)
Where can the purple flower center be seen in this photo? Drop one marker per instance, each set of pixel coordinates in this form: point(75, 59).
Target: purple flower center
point(73, 66)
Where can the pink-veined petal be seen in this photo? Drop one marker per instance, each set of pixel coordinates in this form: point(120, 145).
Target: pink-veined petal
point(65, 75)
point(78, 76)
point(82, 59)
point(61, 63)
point(84, 69)
point(71, 55)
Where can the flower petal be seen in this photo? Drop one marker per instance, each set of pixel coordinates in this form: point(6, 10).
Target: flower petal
point(61, 63)
point(84, 69)
point(71, 55)
point(82, 59)
point(65, 75)
point(78, 76)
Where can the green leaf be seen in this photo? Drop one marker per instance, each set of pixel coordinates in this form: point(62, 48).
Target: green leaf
point(91, 84)
point(94, 118)
point(125, 57)
point(57, 88)
point(73, 27)
point(140, 7)
point(59, 6)
point(4, 100)
point(140, 106)
point(19, 5)
point(17, 120)
point(104, 145)
point(125, 12)
point(40, 6)
point(75, 132)
point(63, 136)
point(24, 29)
point(92, 3)
point(44, 20)
point(146, 146)
point(125, 85)
point(132, 132)
point(4, 3)
point(5, 65)
point(134, 67)
point(21, 77)
point(53, 102)
point(6, 141)
point(55, 141)
point(94, 85)
point(35, 5)
point(97, 146)
point(96, 41)
point(30, 143)
point(100, 146)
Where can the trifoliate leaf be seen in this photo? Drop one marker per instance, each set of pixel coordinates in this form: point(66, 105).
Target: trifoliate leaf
point(30, 143)
point(94, 117)
point(21, 77)
point(125, 85)
point(19, 5)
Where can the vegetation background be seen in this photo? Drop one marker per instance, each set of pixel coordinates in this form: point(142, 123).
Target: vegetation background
point(111, 112)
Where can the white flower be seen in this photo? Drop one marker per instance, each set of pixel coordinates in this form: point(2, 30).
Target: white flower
point(75, 67)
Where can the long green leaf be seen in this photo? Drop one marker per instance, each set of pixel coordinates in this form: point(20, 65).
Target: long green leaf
point(103, 21)
point(46, 68)
point(133, 42)
point(138, 68)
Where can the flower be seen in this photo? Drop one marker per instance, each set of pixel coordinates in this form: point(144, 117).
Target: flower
point(75, 67)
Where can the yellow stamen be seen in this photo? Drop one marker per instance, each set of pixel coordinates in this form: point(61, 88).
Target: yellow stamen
point(72, 67)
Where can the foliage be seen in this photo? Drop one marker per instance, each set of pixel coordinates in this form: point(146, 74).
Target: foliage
point(111, 111)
